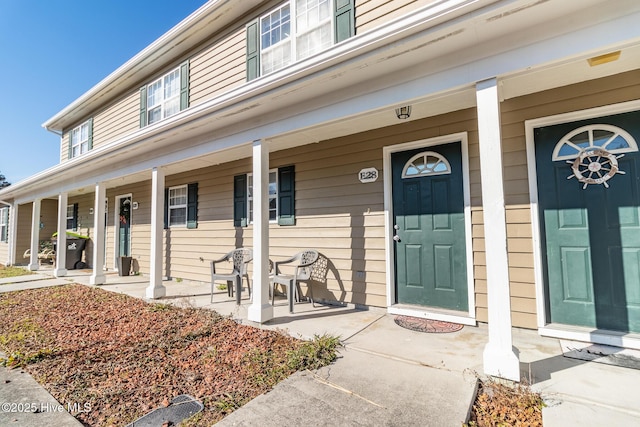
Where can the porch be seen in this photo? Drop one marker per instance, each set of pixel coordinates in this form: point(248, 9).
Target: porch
point(390, 374)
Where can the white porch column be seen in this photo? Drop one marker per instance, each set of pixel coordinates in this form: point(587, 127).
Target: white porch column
point(260, 310)
point(156, 289)
point(12, 233)
point(97, 276)
point(500, 357)
point(35, 235)
point(61, 244)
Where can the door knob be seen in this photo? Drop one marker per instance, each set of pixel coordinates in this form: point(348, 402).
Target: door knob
point(396, 238)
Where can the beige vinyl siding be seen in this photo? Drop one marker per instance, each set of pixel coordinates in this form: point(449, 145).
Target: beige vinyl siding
point(218, 69)
point(140, 231)
point(335, 213)
point(117, 120)
point(374, 13)
point(64, 147)
point(48, 214)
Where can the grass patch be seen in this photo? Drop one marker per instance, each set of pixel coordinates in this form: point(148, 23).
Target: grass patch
point(13, 271)
point(125, 357)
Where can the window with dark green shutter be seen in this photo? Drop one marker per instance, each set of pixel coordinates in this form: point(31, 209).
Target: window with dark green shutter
point(181, 206)
point(72, 217)
point(287, 33)
point(165, 96)
point(281, 195)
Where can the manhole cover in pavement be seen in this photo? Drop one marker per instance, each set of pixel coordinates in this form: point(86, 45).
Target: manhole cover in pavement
point(426, 325)
point(180, 408)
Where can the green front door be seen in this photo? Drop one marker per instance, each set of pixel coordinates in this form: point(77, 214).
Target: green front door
point(124, 226)
point(429, 227)
point(591, 233)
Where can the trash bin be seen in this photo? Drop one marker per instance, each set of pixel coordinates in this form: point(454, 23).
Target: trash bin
point(124, 265)
point(75, 248)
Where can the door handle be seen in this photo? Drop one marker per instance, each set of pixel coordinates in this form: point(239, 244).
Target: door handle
point(396, 238)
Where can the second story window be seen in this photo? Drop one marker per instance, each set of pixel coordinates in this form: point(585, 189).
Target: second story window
point(80, 139)
point(165, 96)
point(296, 30)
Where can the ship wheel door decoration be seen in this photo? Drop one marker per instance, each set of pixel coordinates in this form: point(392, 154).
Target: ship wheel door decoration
point(593, 152)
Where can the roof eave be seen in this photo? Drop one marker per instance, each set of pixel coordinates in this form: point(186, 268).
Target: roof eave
point(186, 35)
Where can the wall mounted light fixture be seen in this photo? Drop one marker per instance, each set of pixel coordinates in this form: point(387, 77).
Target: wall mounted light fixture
point(403, 112)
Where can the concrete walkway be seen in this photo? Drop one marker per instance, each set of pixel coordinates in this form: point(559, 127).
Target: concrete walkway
point(386, 375)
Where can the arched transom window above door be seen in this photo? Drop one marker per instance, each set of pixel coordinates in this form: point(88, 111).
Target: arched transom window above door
point(597, 136)
point(427, 163)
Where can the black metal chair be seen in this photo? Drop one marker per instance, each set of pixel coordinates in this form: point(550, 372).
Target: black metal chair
point(302, 273)
point(240, 258)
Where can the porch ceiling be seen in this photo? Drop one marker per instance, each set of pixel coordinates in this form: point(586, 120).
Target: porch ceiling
point(426, 61)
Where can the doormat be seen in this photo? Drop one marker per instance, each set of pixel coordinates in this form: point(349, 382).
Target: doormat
point(426, 325)
point(600, 353)
point(180, 408)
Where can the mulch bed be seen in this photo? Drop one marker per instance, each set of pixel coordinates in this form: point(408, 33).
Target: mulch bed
point(123, 357)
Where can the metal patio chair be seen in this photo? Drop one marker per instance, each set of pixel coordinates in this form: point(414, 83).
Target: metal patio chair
point(240, 258)
point(302, 273)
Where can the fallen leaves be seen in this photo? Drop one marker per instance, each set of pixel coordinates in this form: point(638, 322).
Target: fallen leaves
point(125, 357)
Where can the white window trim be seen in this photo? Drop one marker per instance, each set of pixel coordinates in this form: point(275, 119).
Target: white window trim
point(250, 198)
point(176, 207)
point(164, 101)
point(82, 142)
point(441, 160)
point(632, 146)
point(292, 38)
point(69, 217)
point(4, 224)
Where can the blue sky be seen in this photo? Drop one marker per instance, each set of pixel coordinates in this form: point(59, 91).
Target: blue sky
point(53, 51)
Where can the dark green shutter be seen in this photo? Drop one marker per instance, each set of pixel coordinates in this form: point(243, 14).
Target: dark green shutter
point(253, 51)
point(74, 223)
point(286, 196)
point(184, 85)
point(240, 201)
point(90, 139)
point(143, 106)
point(192, 205)
point(5, 230)
point(166, 208)
point(344, 19)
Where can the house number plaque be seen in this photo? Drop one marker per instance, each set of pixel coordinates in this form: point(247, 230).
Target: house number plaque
point(368, 175)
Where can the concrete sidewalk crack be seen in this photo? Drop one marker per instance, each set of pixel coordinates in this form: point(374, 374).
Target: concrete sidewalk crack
point(342, 389)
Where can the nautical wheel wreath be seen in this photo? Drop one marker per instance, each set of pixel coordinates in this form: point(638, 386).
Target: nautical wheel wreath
point(595, 166)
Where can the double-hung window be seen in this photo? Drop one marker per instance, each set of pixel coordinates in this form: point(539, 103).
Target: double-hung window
point(296, 30)
point(178, 206)
point(181, 206)
point(4, 224)
point(165, 96)
point(80, 139)
point(281, 197)
point(72, 217)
